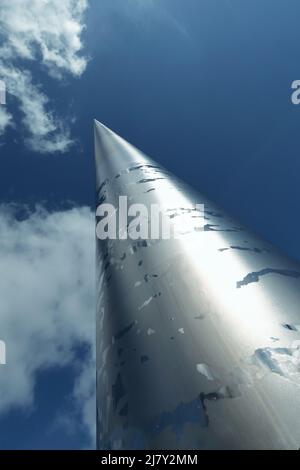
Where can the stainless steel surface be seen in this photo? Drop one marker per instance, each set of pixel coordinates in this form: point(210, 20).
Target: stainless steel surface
point(198, 339)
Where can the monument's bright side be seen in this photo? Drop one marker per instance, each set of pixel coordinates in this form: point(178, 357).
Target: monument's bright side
point(198, 338)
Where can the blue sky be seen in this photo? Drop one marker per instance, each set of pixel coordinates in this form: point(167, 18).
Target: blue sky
point(202, 86)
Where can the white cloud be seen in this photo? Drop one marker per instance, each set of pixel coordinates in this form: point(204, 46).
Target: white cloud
point(47, 32)
point(5, 119)
point(50, 28)
point(47, 304)
point(45, 132)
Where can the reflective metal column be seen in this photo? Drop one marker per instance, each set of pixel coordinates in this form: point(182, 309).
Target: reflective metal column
point(198, 339)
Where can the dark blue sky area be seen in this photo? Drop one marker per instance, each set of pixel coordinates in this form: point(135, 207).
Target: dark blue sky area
point(41, 426)
point(201, 86)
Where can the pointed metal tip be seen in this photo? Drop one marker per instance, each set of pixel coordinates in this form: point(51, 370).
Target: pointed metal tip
point(100, 125)
point(103, 132)
point(113, 153)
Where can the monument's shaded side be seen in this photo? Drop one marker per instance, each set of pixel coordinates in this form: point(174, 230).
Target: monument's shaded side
point(198, 339)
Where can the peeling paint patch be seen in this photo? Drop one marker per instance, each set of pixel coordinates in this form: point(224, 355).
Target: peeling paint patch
point(223, 392)
point(101, 199)
point(150, 332)
point(103, 184)
point(149, 180)
point(254, 276)
point(144, 166)
point(244, 248)
point(185, 413)
point(147, 302)
point(281, 361)
point(210, 228)
point(157, 295)
point(124, 331)
point(147, 276)
point(139, 244)
point(205, 370)
point(291, 327)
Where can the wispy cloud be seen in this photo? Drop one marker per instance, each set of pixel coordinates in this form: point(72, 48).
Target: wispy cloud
point(5, 119)
point(47, 33)
point(47, 304)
